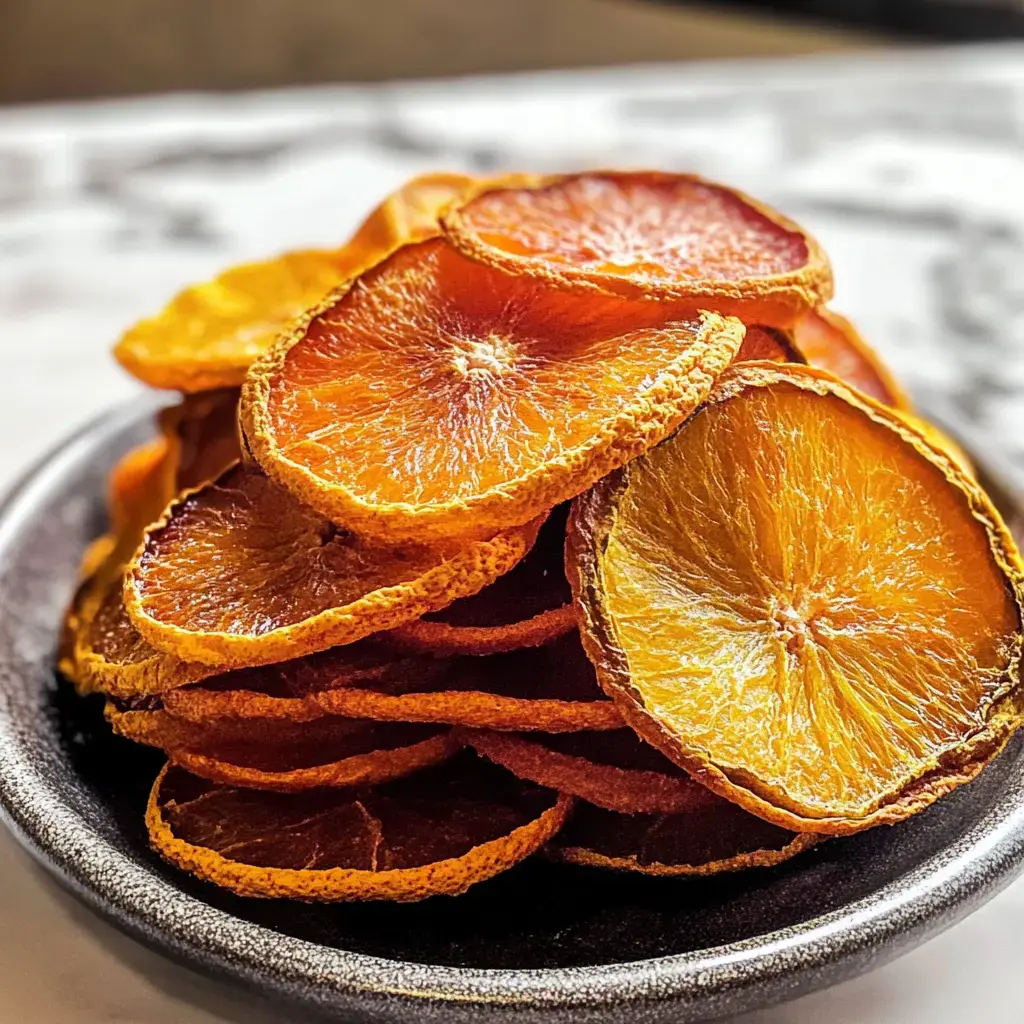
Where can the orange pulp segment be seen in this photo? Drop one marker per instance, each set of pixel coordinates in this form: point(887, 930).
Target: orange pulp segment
point(709, 839)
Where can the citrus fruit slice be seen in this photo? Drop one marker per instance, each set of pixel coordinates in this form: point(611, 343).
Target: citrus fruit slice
point(768, 344)
point(95, 556)
point(208, 334)
point(527, 607)
point(239, 573)
point(832, 343)
point(714, 837)
point(112, 658)
point(439, 397)
point(672, 236)
point(535, 689)
point(436, 832)
point(803, 603)
point(137, 490)
point(201, 432)
point(614, 770)
point(279, 691)
point(287, 757)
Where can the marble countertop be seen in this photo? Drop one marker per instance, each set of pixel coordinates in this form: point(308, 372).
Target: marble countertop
point(908, 167)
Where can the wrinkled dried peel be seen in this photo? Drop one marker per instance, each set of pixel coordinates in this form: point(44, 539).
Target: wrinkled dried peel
point(671, 236)
point(827, 633)
point(239, 573)
point(438, 397)
point(436, 833)
point(210, 333)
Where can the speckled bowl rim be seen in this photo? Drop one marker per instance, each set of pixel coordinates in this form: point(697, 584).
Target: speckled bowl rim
point(697, 985)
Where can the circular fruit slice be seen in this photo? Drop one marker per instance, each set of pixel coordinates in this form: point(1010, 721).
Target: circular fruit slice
point(202, 434)
point(437, 832)
point(210, 333)
point(536, 689)
point(95, 556)
point(711, 838)
point(239, 573)
point(803, 602)
point(527, 607)
point(437, 396)
point(138, 491)
point(673, 236)
point(286, 757)
point(615, 770)
point(768, 344)
point(112, 658)
point(279, 691)
point(832, 343)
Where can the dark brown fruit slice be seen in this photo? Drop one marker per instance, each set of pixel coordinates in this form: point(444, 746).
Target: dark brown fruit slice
point(436, 832)
point(712, 837)
point(615, 770)
point(527, 607)
point(537, 689)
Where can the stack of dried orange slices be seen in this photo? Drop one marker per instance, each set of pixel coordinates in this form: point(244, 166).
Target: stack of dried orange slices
point(571, 520)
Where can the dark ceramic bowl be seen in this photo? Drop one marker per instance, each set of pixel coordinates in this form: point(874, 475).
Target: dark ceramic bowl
point(541, 943)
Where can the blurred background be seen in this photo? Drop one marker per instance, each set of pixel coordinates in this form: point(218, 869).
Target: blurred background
point(55, 49)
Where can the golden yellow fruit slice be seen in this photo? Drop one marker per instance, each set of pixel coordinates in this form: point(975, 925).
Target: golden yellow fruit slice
point(210, 333)
point(801, 601)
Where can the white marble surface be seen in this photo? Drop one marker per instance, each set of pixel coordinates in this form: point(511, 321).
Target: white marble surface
point(909, 168)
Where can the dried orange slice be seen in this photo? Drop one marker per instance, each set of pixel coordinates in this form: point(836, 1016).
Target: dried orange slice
point(804, 603)
point(614, 770)
point(714, 837)
point(202, 434)
point(535, 689)
point(137, 491)
point(831, 342)
point(436, 832)
point(327, 753)
point(672, 236)
point(527, 607)
point(111, 657)
point(239, 573)
point(768, 344)
point(209, 333)
point(439, 397)
point(95, 556)
point(279, 691)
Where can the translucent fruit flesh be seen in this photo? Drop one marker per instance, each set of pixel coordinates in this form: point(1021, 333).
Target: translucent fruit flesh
point(437, 396)
point(824, 620)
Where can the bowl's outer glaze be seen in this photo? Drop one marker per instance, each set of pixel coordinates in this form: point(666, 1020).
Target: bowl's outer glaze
point(542, 943)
